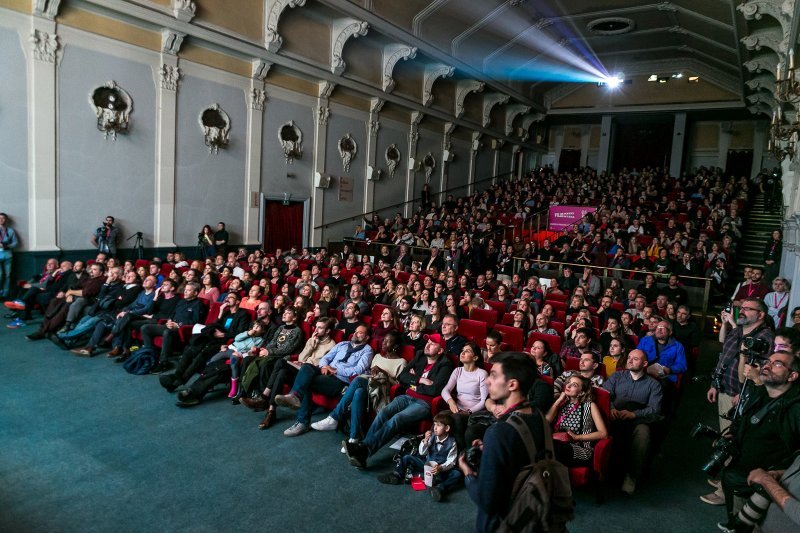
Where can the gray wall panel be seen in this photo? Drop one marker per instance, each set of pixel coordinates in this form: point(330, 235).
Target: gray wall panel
point(97, 176)
point(333, 209)
point(483, 165)
point(429, 141)
point(390, 190)
point(274, 169)
point(208, 187)
point(13, 140)
point(458, 169)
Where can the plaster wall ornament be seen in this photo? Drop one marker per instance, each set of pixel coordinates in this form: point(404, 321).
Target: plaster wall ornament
point(170, 77)
point(291, 139)
point(780, 11)
point(272, 40)
point(342, 30)
point(45, 46)
point(526, 124)
point(321, 115)
point(347, 150)
point(764, 98)
point(416, 118)
point(760, 109)
point(433, 73)
point(257, 99)
point(216, 126)
point(46, 8)
point(392, 53)
point(449, 128)
point(512, 112)
point(112, 106)
point(489, 101)
point(476, 141)
point(326, 89)
point(463, 88)
point(667, 6)
point(761, 81)
point(372, 127)
point(392, 156)
point(761, 63)
point(260, 69)
point(183, 10)
point(428, 164)
point(376, 104)
point(171, 42)
point(771, 39)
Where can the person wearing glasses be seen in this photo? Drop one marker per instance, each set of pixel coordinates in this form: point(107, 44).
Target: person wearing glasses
point(725, 384)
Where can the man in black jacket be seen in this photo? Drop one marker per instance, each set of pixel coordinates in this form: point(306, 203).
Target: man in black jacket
point(188, 311)
point(232, 320)
point(424, 378)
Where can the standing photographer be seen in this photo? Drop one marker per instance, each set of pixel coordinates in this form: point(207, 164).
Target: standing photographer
point(767, 432)
point(105, 237)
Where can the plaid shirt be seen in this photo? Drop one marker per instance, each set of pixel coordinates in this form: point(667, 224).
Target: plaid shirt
point(728, 365)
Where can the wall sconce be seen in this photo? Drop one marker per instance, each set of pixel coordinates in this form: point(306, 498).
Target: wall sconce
point(782, 136)
point(787, 88)
point(291, 139)
point(216, 125)
point(113, 106)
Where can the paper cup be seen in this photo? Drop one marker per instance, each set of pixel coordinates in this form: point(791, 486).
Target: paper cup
point(428, 471)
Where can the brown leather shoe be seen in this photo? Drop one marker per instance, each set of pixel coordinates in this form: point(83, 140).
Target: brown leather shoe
point(114, 352)
point(269, 419)
point(256, 404)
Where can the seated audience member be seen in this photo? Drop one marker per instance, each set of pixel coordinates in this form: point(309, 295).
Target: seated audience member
point(85, 294)
point(440, 449)
point(547, 362)
point(674, 292)
point(504, 452)
point(565, 283)
point(616, 356)
point(351, 319)
point(357, 297)
point(666, 358)
point(543, 325)
point(587, 369)
point(685, 330)
point(752, 288)
point(412, 335)
point(575, 414)
point(454, 342)
point(580, 343)
point(253, 298)
point(330, 377)
point(188, 310)
point(244, 345)
point(494, 345)
point(40, 289)
point(388, 322)
point(777, 301)
point(466, 392)
point(635, 404)
point(365, 393)
point(424, 378)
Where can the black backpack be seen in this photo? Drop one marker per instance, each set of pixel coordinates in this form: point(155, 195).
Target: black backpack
point(541, 499)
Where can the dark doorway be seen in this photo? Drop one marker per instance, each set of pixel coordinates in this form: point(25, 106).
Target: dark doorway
point(569, 160)
point(283, 225)
point(739, 163)
point(642, 144)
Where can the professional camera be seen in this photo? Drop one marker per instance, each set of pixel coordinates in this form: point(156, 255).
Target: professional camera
point(723, 448)
point(755, 347)
point(472, 456)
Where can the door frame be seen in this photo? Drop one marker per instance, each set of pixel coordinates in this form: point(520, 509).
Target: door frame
point(274, 198)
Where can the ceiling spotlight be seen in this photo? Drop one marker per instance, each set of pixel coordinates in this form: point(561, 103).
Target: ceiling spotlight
point(679, 75)
point(615, 81)
point(693, 79)
point(653, 77)
point(663, 79)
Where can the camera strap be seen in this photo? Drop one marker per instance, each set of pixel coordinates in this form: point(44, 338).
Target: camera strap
point(761, 413)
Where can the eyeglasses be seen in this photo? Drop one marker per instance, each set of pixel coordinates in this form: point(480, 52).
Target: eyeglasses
point(750, 309)
point(779, 364)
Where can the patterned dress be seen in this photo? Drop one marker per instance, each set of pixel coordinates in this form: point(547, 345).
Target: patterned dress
point(578, 419)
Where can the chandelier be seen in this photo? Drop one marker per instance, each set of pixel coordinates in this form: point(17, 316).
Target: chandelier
point(787, 88)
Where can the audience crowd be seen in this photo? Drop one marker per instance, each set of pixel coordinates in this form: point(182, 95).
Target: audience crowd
point(399, 341)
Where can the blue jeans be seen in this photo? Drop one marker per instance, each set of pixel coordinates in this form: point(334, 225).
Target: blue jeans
point(357, 399)
point(308, 380)
point(444, 481)
point(5, 273)
point(402, 412)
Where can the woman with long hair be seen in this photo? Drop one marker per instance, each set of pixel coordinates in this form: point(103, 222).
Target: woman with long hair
point(466, 390)
point(210, 290)
point(389, 321)
point(578, 418)
point(205, 240)
point(615, 357)
point(435, 315)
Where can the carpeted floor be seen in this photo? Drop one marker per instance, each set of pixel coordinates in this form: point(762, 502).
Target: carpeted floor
point(86, 447)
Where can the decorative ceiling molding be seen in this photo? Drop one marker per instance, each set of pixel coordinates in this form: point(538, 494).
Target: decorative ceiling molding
point(184, 10)
point(423, 15)
point(259, 69)
point(375, 105)
point(761, 81)
point(432, 73)
point(780, 11)
point(392, 53)
point(463, 88)
point(326, 89)
point(760, 109)
point(526, 124)
point(171, 42)
point(489, 17)
point(46, 8)
point(512, 112)
point(489, 101)
point(767, 38)
point(762, 63)
point(763, 97)
point(416, 118)
point(341, 31)
point(273, 10)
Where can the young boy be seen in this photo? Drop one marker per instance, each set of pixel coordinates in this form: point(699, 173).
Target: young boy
point(438, 447)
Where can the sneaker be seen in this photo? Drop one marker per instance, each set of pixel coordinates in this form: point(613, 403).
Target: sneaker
point(326, 424)
point(296, 429)
point(390, 478)
point(344, 444)
point(713, 498)
point(16, 323)
point(16, 305)
point(436, 494)
point(288, 400)
point(629, 485)
point(357, 454)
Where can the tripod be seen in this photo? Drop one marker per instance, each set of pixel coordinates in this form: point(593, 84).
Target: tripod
point(138, 243)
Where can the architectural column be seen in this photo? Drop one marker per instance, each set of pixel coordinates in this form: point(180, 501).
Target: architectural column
point(256, 96)
point(447, 149)
point(586, 133)
point(413, 140)
point(473, 156)
point(321, 114)
point(42, 48)
point(604, 151)
point(168, 75)
point(790, 260)
point(678, 144)
point(724, 144)
point(759, 141)
point(496, 147)
point(373, 125)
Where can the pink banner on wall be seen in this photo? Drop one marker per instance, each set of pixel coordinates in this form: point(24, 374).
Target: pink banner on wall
point(561, 216)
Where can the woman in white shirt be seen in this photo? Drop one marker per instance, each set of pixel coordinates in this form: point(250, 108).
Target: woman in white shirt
point(468, 382)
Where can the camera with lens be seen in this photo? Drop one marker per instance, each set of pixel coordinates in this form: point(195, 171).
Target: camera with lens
point(754, 345)
point(723, 448)
point(472, 456)
point(728, 308)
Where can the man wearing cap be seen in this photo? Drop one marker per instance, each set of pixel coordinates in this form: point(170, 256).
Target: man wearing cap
point(424, 378)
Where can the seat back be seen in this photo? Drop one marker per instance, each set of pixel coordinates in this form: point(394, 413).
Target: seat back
point(489, 316)
point(511, 335)
point(474, 330)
